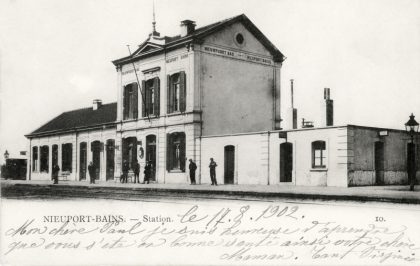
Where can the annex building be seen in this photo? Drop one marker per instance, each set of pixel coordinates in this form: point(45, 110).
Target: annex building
point(190, 96)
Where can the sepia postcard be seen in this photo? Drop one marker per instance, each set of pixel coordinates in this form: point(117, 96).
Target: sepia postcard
point(241, 132)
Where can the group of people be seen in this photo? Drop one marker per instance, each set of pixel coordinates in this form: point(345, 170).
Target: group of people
point(147, 172)
point(212, 166)
point(136, 169)
point(91, 170)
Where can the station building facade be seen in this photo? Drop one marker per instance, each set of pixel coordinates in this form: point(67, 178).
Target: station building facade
point(210, 92)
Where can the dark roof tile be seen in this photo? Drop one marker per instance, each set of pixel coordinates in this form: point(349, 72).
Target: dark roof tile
point(85, 117)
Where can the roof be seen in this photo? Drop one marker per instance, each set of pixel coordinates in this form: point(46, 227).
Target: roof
point(199, 33)
point(79, 119)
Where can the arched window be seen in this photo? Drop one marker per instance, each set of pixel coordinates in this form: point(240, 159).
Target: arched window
point(44, 160)
point(175, 151)
point(66, 157)
point(130, 101)
point(319, 159)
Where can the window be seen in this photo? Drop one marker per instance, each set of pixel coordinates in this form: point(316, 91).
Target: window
point(318, 154)
point(239, 38)
point(151, 106)
point(66, 157)
point(130, 101)
point(175, 151)
point(44, 158)
point(34, 159)
point(176, 92)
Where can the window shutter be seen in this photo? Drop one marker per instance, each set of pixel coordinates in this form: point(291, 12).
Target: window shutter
point(168, 152)
point(182, 152)
point(143, 87)
point(182, 91)
point(125, 103)
point(169, 95)
point(135, 88)
point(156, 85)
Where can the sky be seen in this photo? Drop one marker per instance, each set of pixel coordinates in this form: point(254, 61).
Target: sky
point(56, 56)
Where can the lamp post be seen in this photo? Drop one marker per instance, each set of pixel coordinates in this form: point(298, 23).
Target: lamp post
point(412, 127)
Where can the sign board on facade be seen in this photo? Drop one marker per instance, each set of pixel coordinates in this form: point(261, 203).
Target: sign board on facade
point(383, 133)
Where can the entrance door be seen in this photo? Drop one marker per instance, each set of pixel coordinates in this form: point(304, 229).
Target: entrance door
point(110, 159)
point(83, 160)
point(229, 164)
point(151, 154)
point(129, 153)
point(96, 157)
point(286, 162)
point(379, 163)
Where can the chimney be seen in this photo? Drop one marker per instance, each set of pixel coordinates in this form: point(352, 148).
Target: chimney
point(97, 104)
point(187, 27)
point(291, 113)
point(327, 106)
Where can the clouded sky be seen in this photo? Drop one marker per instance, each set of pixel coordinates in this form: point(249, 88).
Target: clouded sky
point(56, 55)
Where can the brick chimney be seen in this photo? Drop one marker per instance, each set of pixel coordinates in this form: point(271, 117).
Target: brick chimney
point(187, 27)
point(291, 113)
point(327, 109)
point(97, 103)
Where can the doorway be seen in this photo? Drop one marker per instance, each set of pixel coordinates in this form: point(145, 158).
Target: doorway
point(229, 164)
point(379, 163)
point(54, 156)
point(129, 153)
point(286, 162)
point(411, 162)
point(96, 157)
point(110, 159)
point(83, 161)
point(151, 154)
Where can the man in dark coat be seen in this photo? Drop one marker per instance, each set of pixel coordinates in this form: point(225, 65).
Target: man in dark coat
point(92, 172)
point(125, 169)
point(147, 172)
point(212, 167)
point(55, 171)
point(136, 172)
point(192, 167)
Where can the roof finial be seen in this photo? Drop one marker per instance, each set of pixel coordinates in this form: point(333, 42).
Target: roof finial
point(154, 20)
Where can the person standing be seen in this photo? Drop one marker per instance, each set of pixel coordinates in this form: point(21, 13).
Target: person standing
point(147, 172)
point(212, 167)
point(125, 169)
point(55, 171)
point(92, 172)
point(192, 167)
point(136, 172)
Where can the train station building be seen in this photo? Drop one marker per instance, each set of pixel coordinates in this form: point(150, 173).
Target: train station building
point(193, 96)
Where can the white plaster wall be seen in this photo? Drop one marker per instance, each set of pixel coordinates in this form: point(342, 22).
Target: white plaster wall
point(251, 158)
point(75, 139)
point(335, 173)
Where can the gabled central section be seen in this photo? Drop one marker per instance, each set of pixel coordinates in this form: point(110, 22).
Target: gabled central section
point(147, 48)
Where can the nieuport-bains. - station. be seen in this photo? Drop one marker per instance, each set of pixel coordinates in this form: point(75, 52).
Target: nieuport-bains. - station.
point(192, 96)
